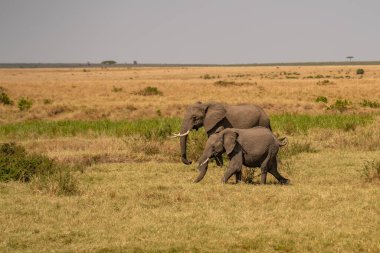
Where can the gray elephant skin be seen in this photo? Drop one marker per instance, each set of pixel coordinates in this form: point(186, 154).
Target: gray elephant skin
point(213, 115)
point(254, 147)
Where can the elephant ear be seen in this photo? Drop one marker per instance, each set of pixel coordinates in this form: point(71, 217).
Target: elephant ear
point(214, 114)
point(229, 140)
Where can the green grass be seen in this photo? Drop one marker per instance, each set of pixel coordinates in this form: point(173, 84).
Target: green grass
point(161, 128)
point(148, 128)
point(301, 124)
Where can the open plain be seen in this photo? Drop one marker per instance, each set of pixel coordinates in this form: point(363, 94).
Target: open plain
point(134, 194)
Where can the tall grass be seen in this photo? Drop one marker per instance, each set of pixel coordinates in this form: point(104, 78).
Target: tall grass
point(160, 128)
point(301, 124)
point(147, 128)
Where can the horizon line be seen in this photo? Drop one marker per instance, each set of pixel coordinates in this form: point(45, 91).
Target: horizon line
point(89, 64)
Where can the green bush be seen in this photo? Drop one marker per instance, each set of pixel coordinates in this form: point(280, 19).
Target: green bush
point(4, 98)
point(24, 104)
point(371, 104)
point(341, 105)
point(17, 165)
point(149, 91)
point(360, 71)
point(321, 99)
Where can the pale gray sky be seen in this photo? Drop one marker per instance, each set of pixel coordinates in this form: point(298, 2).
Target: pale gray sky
point(188, 31)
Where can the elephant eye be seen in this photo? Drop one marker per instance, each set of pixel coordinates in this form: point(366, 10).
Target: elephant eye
point(194, 117)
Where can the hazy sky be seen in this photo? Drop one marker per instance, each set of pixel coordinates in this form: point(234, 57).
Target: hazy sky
point(189, 31)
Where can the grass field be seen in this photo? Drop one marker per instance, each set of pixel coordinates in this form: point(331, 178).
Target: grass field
point(134, 195)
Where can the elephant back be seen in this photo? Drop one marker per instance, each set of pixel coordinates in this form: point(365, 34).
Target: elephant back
point(247, 116)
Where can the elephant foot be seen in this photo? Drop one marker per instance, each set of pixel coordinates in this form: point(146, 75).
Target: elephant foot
point(285, 181)
point(185, 161)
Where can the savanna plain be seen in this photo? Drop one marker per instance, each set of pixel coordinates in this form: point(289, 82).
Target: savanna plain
point(116, 182)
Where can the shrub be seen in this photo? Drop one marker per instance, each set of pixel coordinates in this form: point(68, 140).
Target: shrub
point(341, 105)
point(325, 82)
point(321, 99)
point(224, 83)
point(371, 171)
point(17, 165)
point(24, 104)
point(371, 104)
point(4, 98)
point(232, 83)
point(149, 91)
point(116, 89)
point(47, 101)
point(248, 175)
point(131, 108)
point(360, 71)
point(207, 76)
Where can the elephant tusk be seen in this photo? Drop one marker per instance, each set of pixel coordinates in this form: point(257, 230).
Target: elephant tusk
point(204, 162)
point(179, 134)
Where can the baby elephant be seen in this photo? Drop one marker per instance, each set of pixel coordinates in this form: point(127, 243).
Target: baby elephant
point(254, 147)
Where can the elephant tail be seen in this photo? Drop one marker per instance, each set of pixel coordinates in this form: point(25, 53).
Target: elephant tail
point(282, 141)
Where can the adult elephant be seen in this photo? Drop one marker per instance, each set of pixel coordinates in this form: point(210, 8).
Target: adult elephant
point(214, 115)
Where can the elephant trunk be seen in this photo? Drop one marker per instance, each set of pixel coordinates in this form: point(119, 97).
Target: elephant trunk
point(183, 142)
point(203, 166)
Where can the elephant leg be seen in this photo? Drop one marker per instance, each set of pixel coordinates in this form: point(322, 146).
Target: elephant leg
point(228, 174)
point(276, 174)
point(238, 176)
point(219, 160)
point(263, 177)
point(264, 169)
point(234, 167)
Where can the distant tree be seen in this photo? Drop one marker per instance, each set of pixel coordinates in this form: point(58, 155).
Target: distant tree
point(135, 62)
point(108, 62)
point(350, 57)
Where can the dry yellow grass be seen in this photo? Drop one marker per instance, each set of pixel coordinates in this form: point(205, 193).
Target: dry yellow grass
point(79, 94)
point(152, 206)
